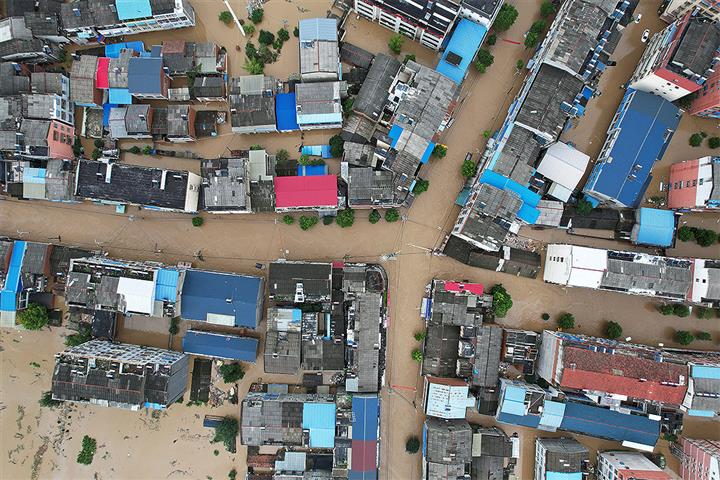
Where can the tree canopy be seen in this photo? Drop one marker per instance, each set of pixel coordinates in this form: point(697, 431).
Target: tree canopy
point(505, 18)
point(34, 317)
point(502, 301)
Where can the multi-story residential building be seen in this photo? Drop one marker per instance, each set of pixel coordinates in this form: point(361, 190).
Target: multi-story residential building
point(447, 448)
point(252, 104)
point(679, 8)
point(619, 465)
point(147, 79)
point(707, 100)
point(24, 270)
point(180, 123)
point(560, 458)
point(679, 59)
point(57, 85)
point(85, 21)
point(699, 459)
point(119, 375)
point(318, 105)
point(319, 51)
point(20, 43)
point(47, 107)
point(83, 89)
point(43, 139)
point(622, 172)
point(695, 184)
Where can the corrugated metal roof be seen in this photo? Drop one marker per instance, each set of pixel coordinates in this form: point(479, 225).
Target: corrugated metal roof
point(319, 418)
point(366, 410)
point(464, 43)
point(166, 284)
point(312, 29)
point(315, 191)
point(656, 227)
point(216, 345)
point(132, 9)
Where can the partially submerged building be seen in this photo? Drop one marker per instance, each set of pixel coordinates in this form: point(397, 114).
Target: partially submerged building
point(317, 192)
point(319, 51)
point(560, 458)
point(252, 104)
point(225, 185)
point(447, 448)
point(224, 346)
point(318, 105)
point(694, 184)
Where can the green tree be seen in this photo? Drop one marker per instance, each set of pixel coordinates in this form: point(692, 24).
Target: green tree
point(337, 146)
point(484, 57)
point(288, 219)
point(410, 57)
point(83, 335)
point(225, 17)
point(392, 215)
point(47, 401)
point(480, 67)
point(256, 146)
point(99, 143)
point(266, 56)
point(417, 355)
point(395, 43)
point(198, 221)
point(96, 154)
point(714, 142)
point(538, 26)
point(666, 309)
point(147, 150)
point(304, 159)
point(684, 337)
point(440, 151)
point(34, 317)
point(296, 32)
point(226, 432)
point(254, 66)
point(703, 336)
point(257, 15)
point(531, 39)
point(613, 330)
point(685, 233)
point(345, 218)
point(520, 64)
point(249, 29)
point(282, 155)
point(696, 140)
point(421, 186)
point(584, 207)
point(705, 238)
point(374, 216)
point(251, 51)
point(468, 169)
point(328, 220)
point(703, 313)
point(505, 18)
point(89, 446)
point(412, 445)
point(420, 336)
point(266, 38)
point(547, 9)
point(232, 475)
point(283, 35)
point(681, 310)
point(487, 134)
point(545, 316)
point(277, 44)
point(307, 222)
point(566, 321)
point(502, 301)
point(491, 39)
point(231, 372)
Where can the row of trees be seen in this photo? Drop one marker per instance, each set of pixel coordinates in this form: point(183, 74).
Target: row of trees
point(701, 236)
point(345, 218)
point(696, 140)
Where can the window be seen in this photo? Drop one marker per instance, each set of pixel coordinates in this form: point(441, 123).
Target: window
point(55, 136)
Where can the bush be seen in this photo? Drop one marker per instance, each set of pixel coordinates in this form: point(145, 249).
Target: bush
point(440, 151)
point(412, 445)
point(147, 150)
point(283, 35)
point(421, 186)
point(256, 146)
point(296, 32)
point(135, 150)
point(484, 57)
point(82, 336)
point(420, 336)
point(566, 321)
point(288, 219)
point(304, 159)
point(306, 222)
point(282, 155)
point(198, 221)
point(613, 330)
point(531, 39)
point(174, 326)
point(685, 233)
point(225, 17)
point(666, 309)
point(502, 301)
point(347, 105)
point(392, 215)
point(226, 432)
point(254, 67)
point(703, 312)
point(547, 9)
point(345, 218)
point(231, 372)
point(480, 68)
point(249, 29)
point(96, 154)
point(714, 142)
point(584, 207)
point(705, 336)
point(266, 38)
point(695, 140)
point(47, 401)
point(232, 475)
point(77, 147)
point(337, 146)
point(250, 51)
point(98, 143)
point(684, 337)
point(487, 134)
point(505, 18)
point(681, 310)
point(519, 65)
point(89, 446)
point(491, 39)
point(328, 220)
point(410, 57)
point(468, 169)
point(538, 26)
point(374, 216)
point(705, 238)
point(277, 44)
point(545, 316)
point(395, 43)
point(34, 317)
point(417, 355)
point(257, 15)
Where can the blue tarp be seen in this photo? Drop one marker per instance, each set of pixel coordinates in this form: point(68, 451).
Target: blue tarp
point(464, 43)
point(166, 284)
point(119, 96)
point(106, 113)
point(319, 418)
point(312, 170)
point(366, 410)
point(528, 212)
point(513, 401)
point(205, 293)
point(112, 50)
point(657, 227)
point(285, 108)
point(13, 282)
point(552, 415)
point(394, 134)
point(428, 152)
point(317, 151)
point(133, 9)
point(218, 345)
point(603, 423)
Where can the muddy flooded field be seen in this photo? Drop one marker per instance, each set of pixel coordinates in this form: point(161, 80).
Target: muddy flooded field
point(43, 443)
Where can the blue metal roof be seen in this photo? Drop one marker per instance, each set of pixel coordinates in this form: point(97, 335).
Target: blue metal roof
point(428, 152)
point(552, 415)
point(317, 150)
point(34, 175)
point(119, 96)
point(133, 9)
point(563, 475)
point(13, 282)
point(318, 118)
point(657, 227)
point(513, 401)
point(319, 418)
point(366, 410)
point(312, 170)
point(644, 127)
point(394, 134)
point(112, 50)
point(166, 284)
point(465, 41)
point(705, 371)
point(218, 293)
point(218, 345)
point(144, 74)
point(603, 423)
point(528, 212)
point(531, 421)
point(285, 112)
point(318, 29)
point(359, 475)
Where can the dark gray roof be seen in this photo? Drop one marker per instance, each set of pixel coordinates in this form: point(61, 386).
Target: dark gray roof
point(178, 120)
point(118, 69)
point(519, 262)
point(46, 82)
point(145, 75)
point(160, 121)
point(374, 93)
point(132, 184)
point(355, 55)
point(370, 187)
point(518, 156)
point(563, 455)
point(486, 8)
point(162, 6)
point(495, 451)
point(314, 277)
point(436, 16)
point(59, 180)
point(697, 48)
point(35, 134)
point(178, 56)
point(137, 119)
point(209, 87)
point(84, 13)
point(358, 154)
point(60, 257)
point(12, 83)
point(17, 8)
point(541, 108)
point(448, 441)
point(357, 129)
point(282, 352)
point(36, 105)
point(262, 196)
point(441, 350)
point(42, 24)
point(486, 364)
point(205, 123)
point(11, 111)
point(35, 258)
point(366, 357)
point(225, 184)
point(252, 110)
point(82, 79)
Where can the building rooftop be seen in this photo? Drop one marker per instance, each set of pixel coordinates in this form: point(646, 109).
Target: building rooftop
point(82, 78)
point(446, 397)
point(370, 187)
point(373, 95)
point(563, 455)
point(318, 102)
point(354, 55)
point(306, 192)
point(365, 359)
point(38, 106)
point(47, 82)
point(225, 186)
point(145, 75)
point(447, 441)
point(514, 261)
point(220, 345)
point(698, 47)
point(654, 227)
point(315, 278)
point(282, 352)
point(319, 52)
point(461, 49)
point(518, 156)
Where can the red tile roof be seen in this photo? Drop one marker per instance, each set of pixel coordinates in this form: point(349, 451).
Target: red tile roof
point(642, 475)
point(101, 73)
point(624, 375)
point(298, 192)
point(681, 173)
point(475, 288)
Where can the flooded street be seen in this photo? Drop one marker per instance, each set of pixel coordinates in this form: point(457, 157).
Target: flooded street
point(43, 443)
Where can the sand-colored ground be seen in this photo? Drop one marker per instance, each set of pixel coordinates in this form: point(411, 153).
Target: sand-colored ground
point(174, 444)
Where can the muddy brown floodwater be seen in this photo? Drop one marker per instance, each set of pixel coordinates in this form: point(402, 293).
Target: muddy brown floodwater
point(43, 443)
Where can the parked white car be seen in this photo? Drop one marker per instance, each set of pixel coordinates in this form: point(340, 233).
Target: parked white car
point(646, 35)
point(638, 18)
